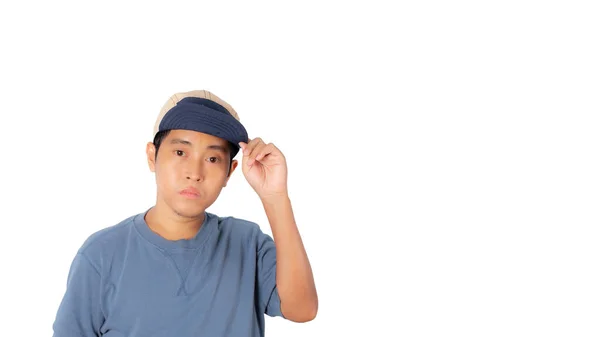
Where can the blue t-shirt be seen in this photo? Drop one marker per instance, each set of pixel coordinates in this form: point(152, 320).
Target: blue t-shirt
point(128, 281)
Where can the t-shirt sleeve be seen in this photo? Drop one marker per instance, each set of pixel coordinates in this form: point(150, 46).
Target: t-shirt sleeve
point(266, 267)
point(79, 313)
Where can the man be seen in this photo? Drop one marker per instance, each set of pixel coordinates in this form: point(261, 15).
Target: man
point(177, 270)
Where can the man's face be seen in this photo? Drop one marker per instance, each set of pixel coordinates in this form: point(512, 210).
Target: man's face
point(191, 169)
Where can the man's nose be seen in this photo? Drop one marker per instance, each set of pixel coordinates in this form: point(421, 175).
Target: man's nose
point(195, 172)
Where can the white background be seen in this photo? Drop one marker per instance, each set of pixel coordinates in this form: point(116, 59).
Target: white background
point(443, 156)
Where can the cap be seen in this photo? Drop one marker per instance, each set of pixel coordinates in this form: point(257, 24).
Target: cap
point(202, 111)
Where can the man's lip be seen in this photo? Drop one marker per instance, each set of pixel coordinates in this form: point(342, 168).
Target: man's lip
point(190, 190)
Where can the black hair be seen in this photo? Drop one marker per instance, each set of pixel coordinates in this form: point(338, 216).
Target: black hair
point(161, 135)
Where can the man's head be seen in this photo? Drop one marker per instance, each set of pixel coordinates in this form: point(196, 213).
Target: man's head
point(192, 154)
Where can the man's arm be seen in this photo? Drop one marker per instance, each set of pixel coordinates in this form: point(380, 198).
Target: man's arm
point(265, 168)
point(294, 277)
point(79, 313)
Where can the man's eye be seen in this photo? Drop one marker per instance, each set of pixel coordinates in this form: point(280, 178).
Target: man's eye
point(213, 159)
point(179, 152)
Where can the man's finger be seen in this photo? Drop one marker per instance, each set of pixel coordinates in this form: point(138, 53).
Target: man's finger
point(267, 149)
point(255, 151)
point(251, 145)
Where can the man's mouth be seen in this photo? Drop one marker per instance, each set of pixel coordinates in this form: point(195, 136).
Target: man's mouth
point(190, 192)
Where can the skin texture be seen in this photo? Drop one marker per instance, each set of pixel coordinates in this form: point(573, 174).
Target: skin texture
point(201, 161)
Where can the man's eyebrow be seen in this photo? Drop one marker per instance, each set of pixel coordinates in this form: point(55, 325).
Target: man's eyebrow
point(180, 141)
point(217, 147)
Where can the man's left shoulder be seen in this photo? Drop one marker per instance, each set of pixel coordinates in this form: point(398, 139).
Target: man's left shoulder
point(238, 226)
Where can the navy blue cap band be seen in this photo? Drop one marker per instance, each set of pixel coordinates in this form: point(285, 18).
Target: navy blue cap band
point(206, 116)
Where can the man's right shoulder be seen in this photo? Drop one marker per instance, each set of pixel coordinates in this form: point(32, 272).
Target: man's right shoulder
point(108, 238)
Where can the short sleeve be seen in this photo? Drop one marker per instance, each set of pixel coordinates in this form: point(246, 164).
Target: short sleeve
point(266, 272)
point(79, 313)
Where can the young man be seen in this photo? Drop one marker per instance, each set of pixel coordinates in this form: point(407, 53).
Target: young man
point(177, 270)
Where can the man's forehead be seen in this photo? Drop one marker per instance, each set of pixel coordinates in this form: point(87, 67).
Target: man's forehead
point(197, 139)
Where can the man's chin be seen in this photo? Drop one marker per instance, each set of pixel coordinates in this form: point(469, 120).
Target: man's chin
point(189, 209)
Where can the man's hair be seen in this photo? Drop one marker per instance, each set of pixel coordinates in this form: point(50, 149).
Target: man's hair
point(161, 135)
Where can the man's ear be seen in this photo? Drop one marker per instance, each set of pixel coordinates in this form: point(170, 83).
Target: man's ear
point(234, 164)
point(151, 154)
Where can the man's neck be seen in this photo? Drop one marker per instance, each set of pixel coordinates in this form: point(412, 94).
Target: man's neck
point(172, 226)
